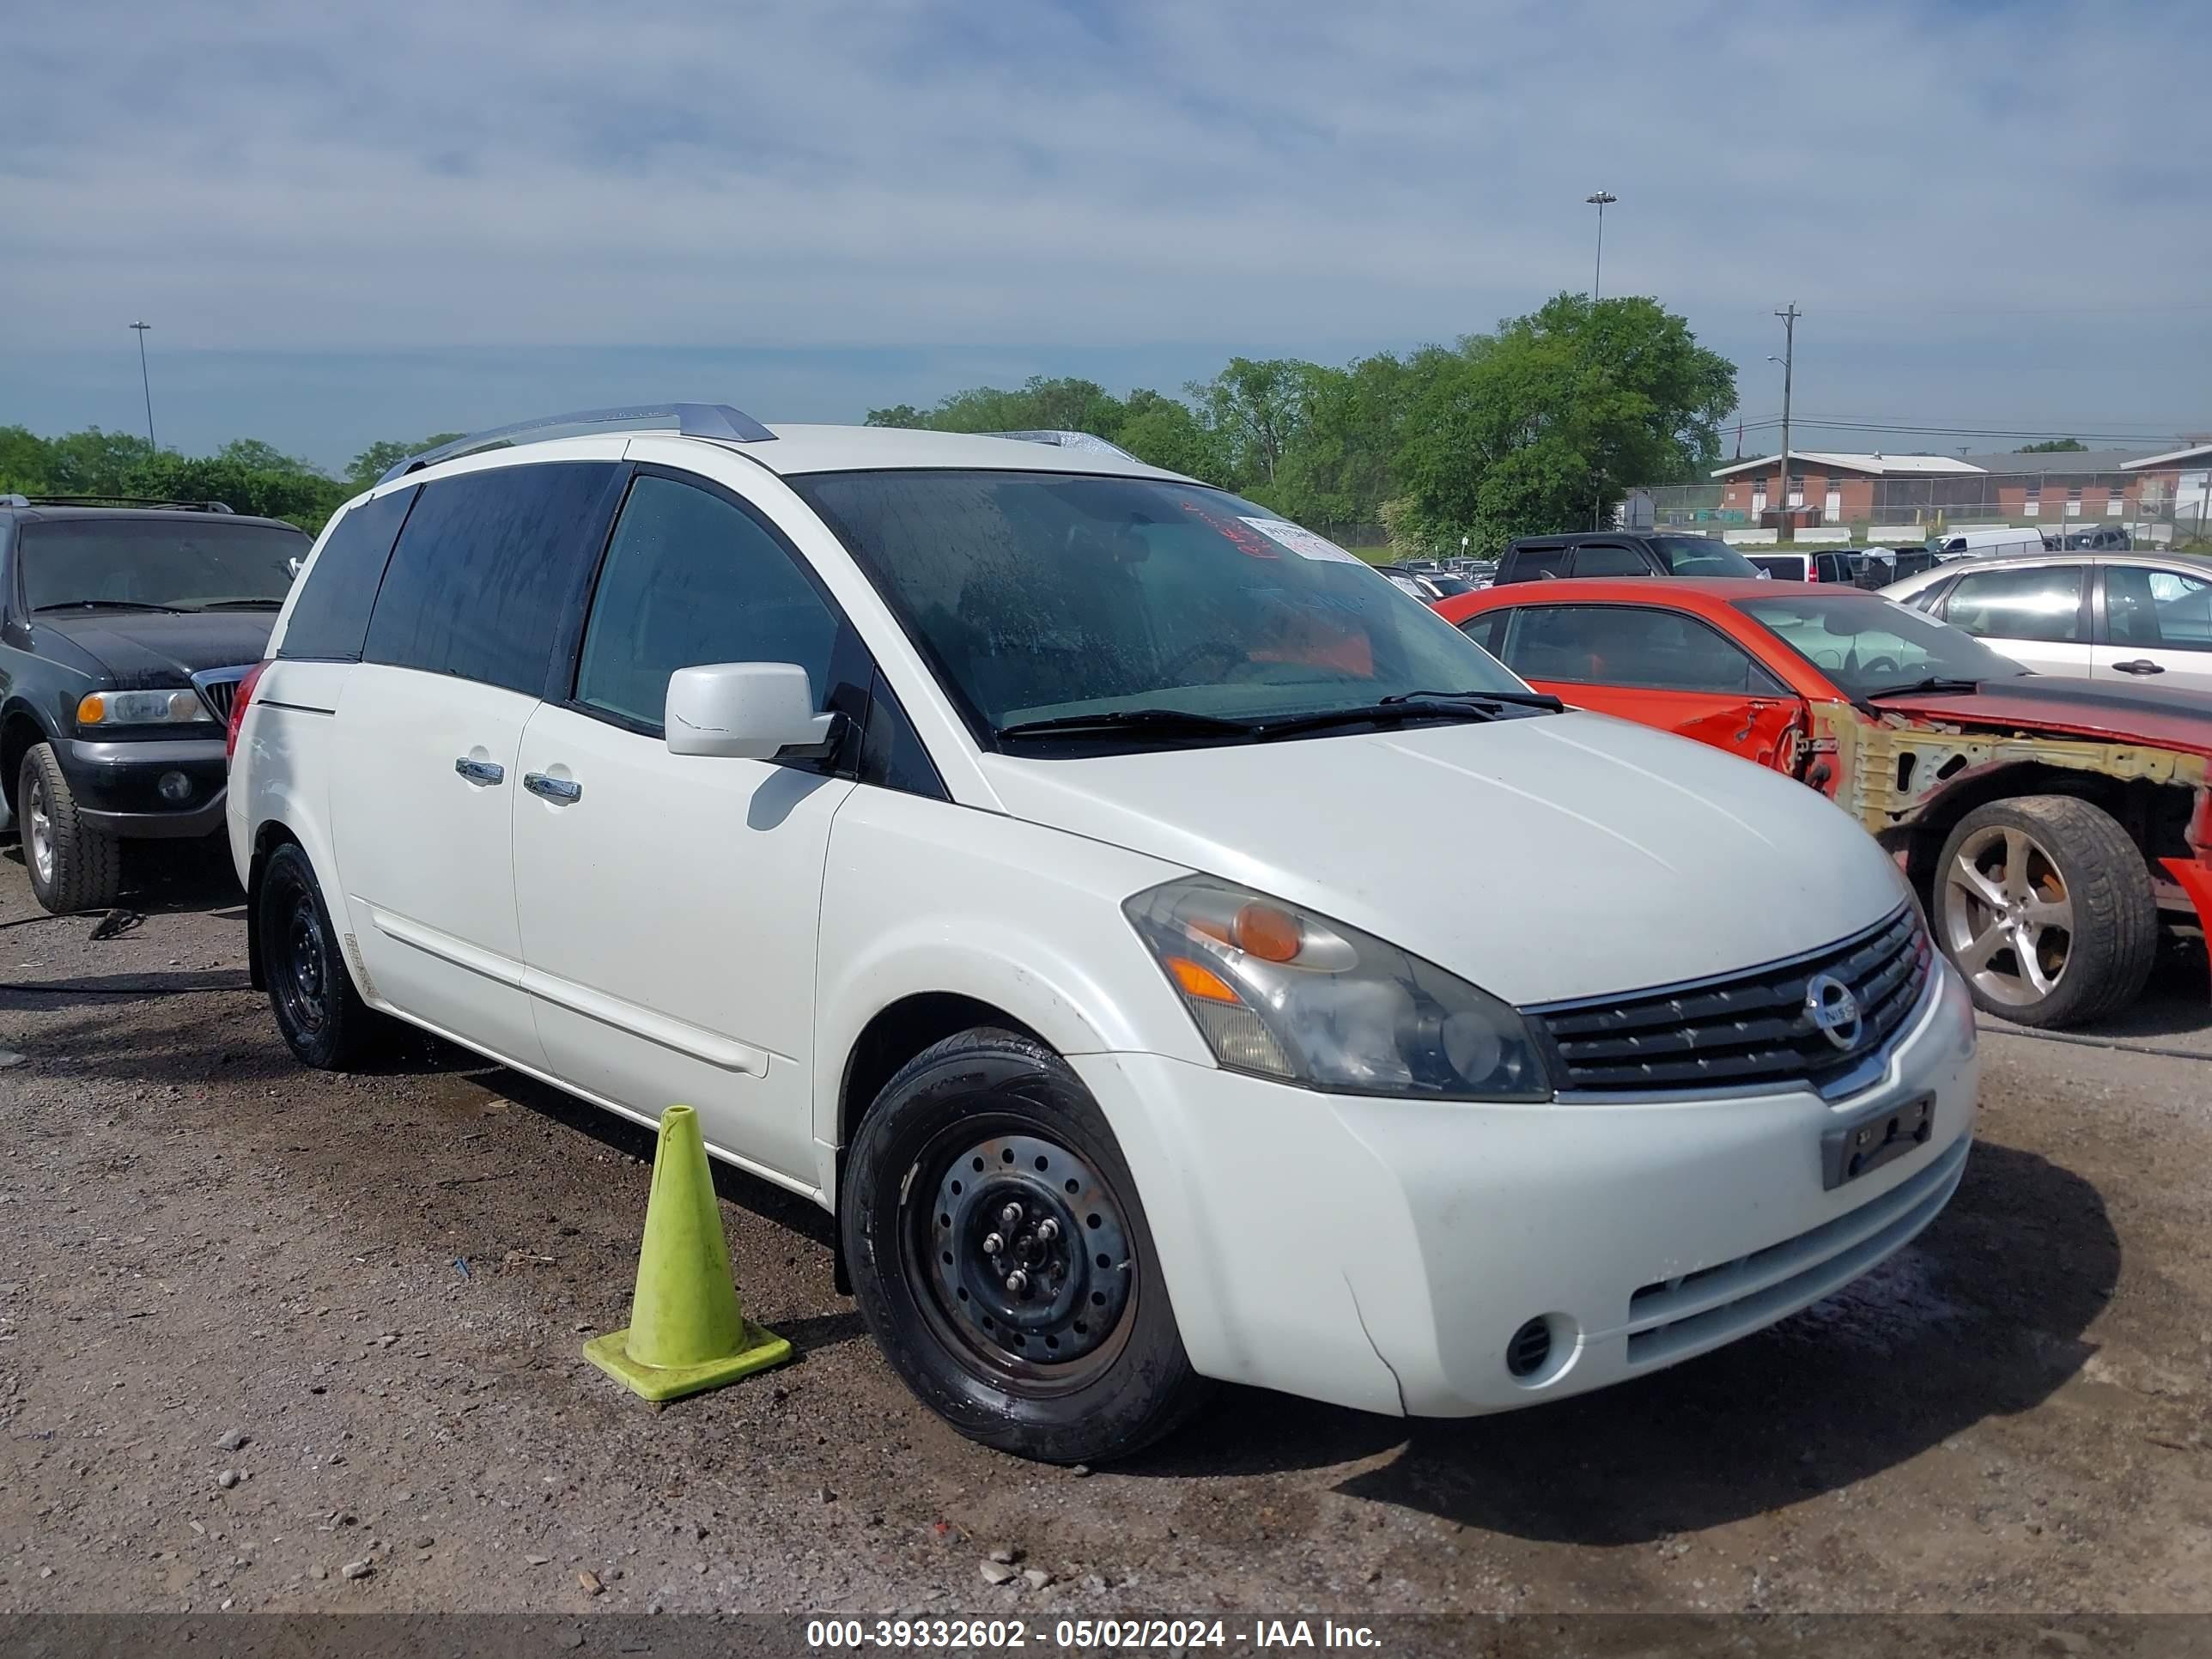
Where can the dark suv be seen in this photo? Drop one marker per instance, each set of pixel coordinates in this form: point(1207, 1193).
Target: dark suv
point(124, 630)
point(1620, 553)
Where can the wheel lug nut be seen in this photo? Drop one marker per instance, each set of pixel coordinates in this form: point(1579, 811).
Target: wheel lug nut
point(1017, 1283)
point(1047, 1231)
point(1010, 1217)
point(992, 1244)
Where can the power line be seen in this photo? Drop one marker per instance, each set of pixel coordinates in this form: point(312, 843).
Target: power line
point(2150, 307)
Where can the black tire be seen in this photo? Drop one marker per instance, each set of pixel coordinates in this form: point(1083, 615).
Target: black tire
point(906, 1176)
point(2075, 851)
point(82, 866)
point(323, 1021)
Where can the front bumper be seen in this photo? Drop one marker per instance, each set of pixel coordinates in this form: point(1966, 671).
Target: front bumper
point(117, 783)
point(1383, 1254)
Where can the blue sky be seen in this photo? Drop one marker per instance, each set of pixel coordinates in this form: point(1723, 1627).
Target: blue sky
point(353, 221)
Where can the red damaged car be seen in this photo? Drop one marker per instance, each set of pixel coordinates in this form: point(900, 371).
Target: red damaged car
point(2053, 827)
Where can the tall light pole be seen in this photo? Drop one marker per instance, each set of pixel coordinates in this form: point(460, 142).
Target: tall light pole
point(1601, 201)
point(146, 385)
point(1788, 356)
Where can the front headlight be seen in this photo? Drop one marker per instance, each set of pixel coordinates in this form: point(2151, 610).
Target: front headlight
point(1280, 991)
point(142, 709)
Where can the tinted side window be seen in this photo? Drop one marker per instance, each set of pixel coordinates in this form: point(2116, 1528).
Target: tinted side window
point(477, 585)
point(2042, 603)
point(1623, 644)
point(2162, 609)
point(1528, 564)
point(1486, 629)
point(692, 578)
point(1602, 559)
point(891, 753)
point(330, 619)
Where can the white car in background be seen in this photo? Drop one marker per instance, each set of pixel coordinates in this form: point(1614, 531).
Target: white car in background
point(991, 842)
point(2100, 617)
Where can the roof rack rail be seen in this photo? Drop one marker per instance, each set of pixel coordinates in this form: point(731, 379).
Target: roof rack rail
point(116, 501)
point(690, 420)
point(1068, 440)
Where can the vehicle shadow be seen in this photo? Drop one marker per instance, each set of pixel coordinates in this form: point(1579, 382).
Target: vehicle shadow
point(764, 1198)
point(164, 876)
point(2177, 1002)
point(1984, 1315)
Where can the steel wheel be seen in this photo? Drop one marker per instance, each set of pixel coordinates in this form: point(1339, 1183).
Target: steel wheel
point(299, 976)
point(1018, 1250)
point(2010, 928)
point(38, 831)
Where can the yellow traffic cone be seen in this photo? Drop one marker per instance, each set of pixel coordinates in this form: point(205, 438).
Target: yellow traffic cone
point(686, 1333)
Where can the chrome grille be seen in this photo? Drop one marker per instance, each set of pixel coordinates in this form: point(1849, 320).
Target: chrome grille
point(218, 689)
point(1747, 1028)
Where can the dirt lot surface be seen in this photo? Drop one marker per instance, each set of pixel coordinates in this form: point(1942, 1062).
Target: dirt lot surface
point(273, 1339)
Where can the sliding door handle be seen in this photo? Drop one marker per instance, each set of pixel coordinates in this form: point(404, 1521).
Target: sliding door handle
point(560, 791)
point(2140, 665)
point(476, 771)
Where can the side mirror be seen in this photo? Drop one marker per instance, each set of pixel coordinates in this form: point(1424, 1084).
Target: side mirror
point(744, 711)
point(296, 565)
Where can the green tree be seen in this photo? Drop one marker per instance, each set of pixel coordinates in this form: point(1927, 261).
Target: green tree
point(380, 458)
point(257, 456)
point(1540, 426)
point(2051, 447)
point(1067, 405)
point(1259, 406)
point(93, 462)
point(24, 459)
point(1166, 432)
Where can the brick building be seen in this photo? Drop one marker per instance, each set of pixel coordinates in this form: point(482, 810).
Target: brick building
point(1844, 489)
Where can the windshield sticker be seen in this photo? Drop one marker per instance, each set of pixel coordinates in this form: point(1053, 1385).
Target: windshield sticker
point(1301, 541)
point(1234, 531)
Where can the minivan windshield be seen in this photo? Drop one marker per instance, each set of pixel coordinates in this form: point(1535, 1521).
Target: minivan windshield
point(156, 564)
point(1142, 608)
point(1873, 647)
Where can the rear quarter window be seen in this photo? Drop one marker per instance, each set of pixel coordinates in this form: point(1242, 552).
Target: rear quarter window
point(330, 617)
point(486, 568)
point(1528, 565)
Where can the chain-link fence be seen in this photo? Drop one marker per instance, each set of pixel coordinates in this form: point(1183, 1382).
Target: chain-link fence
point(2170, 508)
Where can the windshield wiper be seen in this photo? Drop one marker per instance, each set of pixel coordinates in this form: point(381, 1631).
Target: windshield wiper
point(107, 605)
point(1166, 722)
point(1933, 682)
point(1517, 699)
point(1391, 711)
point(242, 605)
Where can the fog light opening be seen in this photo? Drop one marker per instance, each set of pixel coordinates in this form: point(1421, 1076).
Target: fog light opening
point(1531, 1346)
point(175, 786)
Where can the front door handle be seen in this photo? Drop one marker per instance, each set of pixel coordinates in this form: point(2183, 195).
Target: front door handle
point(2140, 665)
point(560, 791)
point(476, 771)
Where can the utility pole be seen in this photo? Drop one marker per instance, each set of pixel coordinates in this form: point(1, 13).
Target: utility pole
point(1788, 356)
point(144, 384)
point(1599, 201)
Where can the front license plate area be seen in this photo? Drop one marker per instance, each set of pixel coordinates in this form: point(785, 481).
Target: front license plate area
point(1868, 1140)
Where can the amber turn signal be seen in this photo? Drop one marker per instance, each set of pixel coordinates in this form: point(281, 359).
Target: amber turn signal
point(1269, 933)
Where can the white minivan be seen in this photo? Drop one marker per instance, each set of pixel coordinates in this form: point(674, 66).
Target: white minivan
point(997, 844)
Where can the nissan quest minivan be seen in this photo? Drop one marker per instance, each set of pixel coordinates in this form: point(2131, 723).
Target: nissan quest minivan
point(993, 841)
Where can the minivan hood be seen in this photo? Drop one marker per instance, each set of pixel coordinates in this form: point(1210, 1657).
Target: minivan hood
point(152, 648)
point(1543, 858)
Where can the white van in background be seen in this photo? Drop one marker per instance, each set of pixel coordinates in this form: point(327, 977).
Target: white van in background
point(1991, 542)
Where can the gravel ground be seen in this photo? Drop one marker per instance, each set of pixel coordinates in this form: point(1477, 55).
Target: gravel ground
point(273, 1340)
